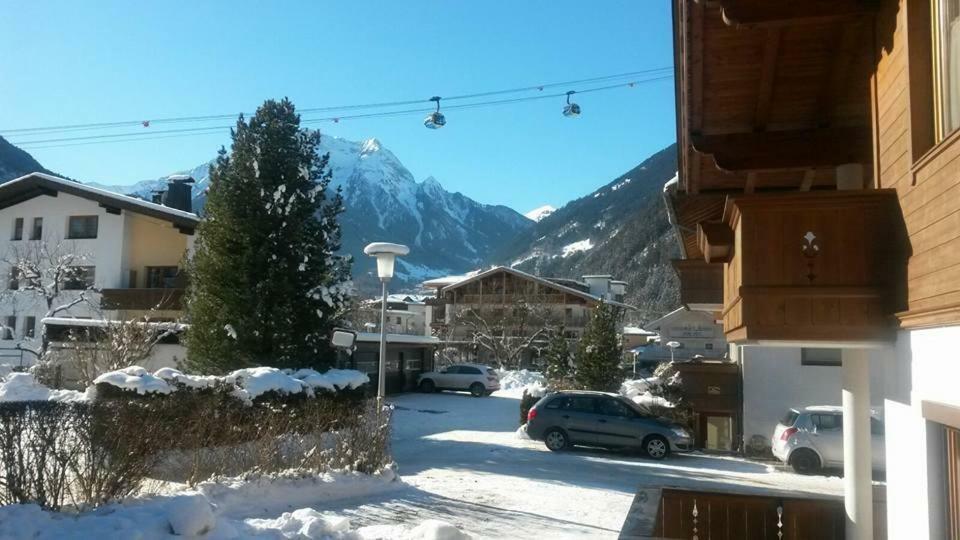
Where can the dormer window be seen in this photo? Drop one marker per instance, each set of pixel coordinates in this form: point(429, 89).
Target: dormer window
point(80, 227)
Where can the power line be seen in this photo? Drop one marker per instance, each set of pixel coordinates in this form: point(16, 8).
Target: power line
point(145, 122)
point(208, 130)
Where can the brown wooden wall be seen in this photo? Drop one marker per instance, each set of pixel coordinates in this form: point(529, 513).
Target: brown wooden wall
point(926, 175)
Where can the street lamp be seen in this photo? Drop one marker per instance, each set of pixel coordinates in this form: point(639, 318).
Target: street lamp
point(386, 254)
point(673, 345)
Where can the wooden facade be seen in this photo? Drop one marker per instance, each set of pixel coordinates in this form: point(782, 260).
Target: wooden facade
point(817, 116)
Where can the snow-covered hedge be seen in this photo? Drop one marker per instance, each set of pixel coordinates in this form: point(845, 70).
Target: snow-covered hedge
point(246, 384)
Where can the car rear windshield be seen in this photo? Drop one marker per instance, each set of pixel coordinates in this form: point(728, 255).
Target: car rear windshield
point(790, 418)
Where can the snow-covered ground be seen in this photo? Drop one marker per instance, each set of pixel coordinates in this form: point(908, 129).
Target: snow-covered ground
point(462, 468)
point(462, 463)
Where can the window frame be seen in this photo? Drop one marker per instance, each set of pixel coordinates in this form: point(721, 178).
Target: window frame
point(9, 328)
point(810, 362)
point(30, 327)
point(36, 229)
point(17, 234)
point(86, 234)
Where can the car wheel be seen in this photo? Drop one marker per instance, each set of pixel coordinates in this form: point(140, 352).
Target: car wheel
point(477, 389)
point(556, 440)
point(427, 386)
point(805, 461)
point(656, 447)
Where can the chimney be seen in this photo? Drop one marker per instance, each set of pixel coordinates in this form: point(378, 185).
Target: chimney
point(178, 194)
point(599, 285)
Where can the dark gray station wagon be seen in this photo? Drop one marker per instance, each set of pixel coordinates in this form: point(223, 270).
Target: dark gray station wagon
point(564, 419)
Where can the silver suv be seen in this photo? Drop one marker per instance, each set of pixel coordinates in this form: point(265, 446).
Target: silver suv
point(564, 419)
point(478, 379)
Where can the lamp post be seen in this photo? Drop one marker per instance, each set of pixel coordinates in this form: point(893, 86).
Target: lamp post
point(386, 254)
point(673, 345)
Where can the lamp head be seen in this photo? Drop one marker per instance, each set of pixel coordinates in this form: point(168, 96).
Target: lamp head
point(386, 254)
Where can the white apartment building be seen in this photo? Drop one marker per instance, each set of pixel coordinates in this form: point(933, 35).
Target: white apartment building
point(123, 256)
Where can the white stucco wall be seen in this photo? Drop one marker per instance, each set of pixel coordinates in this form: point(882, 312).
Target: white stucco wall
point(103, 252)
point(928, 358)
point(774, 381)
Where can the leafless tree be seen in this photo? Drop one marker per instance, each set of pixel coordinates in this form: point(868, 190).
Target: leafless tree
point(506, 331)
point(51, 273)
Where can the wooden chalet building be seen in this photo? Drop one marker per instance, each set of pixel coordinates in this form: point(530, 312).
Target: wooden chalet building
point(818, 204)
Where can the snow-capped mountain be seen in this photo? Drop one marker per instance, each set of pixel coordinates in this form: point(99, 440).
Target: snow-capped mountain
point(537, 214)
point(447, 232)
point(619, 229)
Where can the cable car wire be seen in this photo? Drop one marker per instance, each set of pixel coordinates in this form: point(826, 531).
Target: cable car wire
point(204, 118)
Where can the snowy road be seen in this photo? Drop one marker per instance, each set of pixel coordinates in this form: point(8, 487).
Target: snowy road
point(462, 463)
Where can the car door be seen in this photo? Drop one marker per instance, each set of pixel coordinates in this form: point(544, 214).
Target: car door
point(447, 377)
point(579, 418)
point(468, 376)
point(617, 424)
point(827, 436)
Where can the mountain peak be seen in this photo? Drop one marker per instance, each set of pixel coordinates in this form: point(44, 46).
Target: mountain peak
point(370, 146)
point(539, 213)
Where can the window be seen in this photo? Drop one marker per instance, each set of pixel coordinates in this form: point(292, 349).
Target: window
point(951, 481)
point(581, 404)
point(820, 357)
point(467, 370)
point(708, 346)
point(946, 34)
point(80, 227)
point(876, 426)
point(17, 229)
point(615, 407)
point(9, 326)
point(162, 277)
point(36, 233)
point(789, 418)
point(79, 278)
point(399, 321)
point(14, 282)
point(827, 421)
point(30, 327)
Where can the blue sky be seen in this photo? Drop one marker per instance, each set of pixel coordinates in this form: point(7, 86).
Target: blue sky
point(84, 62)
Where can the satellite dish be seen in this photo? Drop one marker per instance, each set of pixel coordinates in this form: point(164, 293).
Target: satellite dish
point(435, 120)
point(571, 110)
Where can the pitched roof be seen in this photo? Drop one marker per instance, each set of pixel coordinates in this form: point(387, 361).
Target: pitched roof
point(36, 184)
point(531, 277)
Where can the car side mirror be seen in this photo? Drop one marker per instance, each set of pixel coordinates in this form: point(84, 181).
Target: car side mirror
point(343, 339)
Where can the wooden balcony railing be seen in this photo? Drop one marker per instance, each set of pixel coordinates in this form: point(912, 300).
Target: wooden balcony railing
point(142, 299)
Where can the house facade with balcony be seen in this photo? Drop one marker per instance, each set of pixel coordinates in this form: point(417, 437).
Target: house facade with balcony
point(817, 206)
point(515, 305)
point(123, 256)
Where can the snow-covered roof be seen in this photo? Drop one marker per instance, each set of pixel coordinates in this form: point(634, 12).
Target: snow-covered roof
point(398, 338)
point(35, 184)
point(103, 323)
point(637, 331)
point(540, 280)
point(441, 282)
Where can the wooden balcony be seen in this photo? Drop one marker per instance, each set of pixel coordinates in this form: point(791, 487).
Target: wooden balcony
point(819, 266)
point(701, 284)
point(142, 299)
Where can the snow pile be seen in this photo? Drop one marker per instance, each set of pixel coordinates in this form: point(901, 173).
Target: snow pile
point(513, 380)
point(23, 387)
point(332, 380)
point(135, 378)
point(536, 390)
point(254, 382)
point(249, 383)
point(641, 392)
point(172, 375)
point(222, 510)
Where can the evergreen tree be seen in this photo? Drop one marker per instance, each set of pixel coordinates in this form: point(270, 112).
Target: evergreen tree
point(265, 285)
point(598, 355)
point(559, 360)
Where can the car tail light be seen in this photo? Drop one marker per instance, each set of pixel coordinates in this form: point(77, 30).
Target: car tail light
point(787, 433)
point(531, 414)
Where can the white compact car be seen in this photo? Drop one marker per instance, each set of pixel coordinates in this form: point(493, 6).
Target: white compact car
point(811, 438)
point(478, 379)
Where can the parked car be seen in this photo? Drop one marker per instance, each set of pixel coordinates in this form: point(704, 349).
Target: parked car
point(564, 419)
point(478, 379)
point(811, 438)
